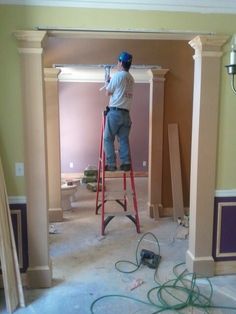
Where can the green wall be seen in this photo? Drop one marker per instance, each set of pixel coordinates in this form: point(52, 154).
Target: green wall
point(22, 17)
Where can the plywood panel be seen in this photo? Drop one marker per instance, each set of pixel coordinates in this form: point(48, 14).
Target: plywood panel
point(9, 263)
point(175, 168)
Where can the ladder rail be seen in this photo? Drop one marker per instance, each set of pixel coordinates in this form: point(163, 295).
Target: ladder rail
point(101, 182)
point(103, 177)
point(99, 165)
point(134, 199)
point(125, 189)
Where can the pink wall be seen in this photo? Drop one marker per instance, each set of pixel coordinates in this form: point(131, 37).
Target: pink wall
point(81, 106)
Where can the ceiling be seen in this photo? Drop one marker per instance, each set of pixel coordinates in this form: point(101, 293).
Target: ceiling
point(201, 6)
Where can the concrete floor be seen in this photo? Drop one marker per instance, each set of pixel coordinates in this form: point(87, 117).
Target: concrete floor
point(84, 264)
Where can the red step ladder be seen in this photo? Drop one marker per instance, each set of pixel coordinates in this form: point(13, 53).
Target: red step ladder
point(123, 197)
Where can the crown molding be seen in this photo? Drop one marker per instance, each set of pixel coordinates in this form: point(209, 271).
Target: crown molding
point(96, 74)
point(198, 6)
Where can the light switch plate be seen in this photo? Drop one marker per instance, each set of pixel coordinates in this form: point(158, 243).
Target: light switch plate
point(19, 169)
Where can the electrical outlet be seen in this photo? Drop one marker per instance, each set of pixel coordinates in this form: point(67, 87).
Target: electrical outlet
point(19, 169)
point(144, 163)
point(71, 164)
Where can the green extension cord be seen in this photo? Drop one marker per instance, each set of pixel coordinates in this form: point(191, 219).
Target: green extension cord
point(175, 295)
point(138, 262)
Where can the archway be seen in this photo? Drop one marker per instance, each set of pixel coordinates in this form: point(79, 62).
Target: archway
point(205, 113)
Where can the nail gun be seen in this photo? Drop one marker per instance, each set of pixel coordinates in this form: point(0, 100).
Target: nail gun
point(149, 258)
point(107, 69)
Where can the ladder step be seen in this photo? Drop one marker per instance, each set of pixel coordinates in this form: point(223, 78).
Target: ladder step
point(117, 174)
point(117, 195)
point(119, 214)
point(117, 171)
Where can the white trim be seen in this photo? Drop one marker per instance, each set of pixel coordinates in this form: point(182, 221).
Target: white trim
point(225, 193)
point(199, 259)
point(97, 75)
point(30, 50)
point(200, 6)
point(102, 33)
point(17, 199)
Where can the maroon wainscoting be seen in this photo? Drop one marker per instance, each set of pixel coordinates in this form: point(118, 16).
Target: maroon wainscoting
point(224, 233)
point(19, 225)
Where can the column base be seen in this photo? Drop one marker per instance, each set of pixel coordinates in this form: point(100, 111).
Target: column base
point(55, 214)
point(39, 276)
point(153, 211)
point(204, 266)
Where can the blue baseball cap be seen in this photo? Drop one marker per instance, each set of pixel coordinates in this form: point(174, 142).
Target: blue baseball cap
point(125, 57)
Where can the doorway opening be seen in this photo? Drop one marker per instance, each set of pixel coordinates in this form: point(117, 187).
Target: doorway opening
point(178, 105)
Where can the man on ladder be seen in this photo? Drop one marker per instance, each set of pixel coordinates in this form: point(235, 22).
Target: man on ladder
point(118, 122)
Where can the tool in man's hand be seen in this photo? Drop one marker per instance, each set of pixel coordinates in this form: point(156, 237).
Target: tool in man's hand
point(107, 69)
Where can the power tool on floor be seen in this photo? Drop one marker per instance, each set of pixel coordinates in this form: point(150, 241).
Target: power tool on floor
point(149, 258)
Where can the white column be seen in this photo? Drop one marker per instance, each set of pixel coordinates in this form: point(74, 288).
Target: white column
point(53, 144)
point(207, 69)
point(156, 116)
point(30, 47)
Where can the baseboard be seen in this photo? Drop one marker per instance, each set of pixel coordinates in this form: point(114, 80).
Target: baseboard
point(204, 265)
point(39, 276)
point(55, 215)
point(225, 268)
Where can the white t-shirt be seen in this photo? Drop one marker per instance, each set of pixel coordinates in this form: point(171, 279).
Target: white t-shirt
point(121, 87)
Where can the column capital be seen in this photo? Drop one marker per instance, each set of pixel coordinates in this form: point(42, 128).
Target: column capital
point(51, 74)
point(157, 74)
point(208, 43)
point(30, 39)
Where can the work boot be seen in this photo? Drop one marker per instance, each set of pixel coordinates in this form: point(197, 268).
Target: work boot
point(125, 167)
point(110, 168)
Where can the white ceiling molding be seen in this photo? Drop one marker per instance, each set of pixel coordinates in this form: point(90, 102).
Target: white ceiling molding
point(200, 6)
point(96, 74)
point(140, 34)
